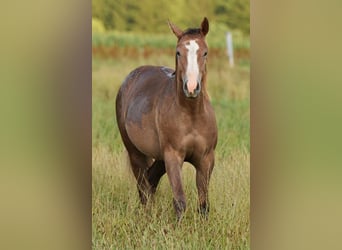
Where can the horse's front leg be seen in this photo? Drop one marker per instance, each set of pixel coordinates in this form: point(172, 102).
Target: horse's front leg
point(203, 172)
point(173, 165)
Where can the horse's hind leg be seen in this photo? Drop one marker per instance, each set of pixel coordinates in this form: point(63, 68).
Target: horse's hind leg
point(138, 160)
point(155, 172)
point(139, 168)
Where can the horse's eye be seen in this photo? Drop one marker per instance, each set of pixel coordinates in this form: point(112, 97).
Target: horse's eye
point(178, 53)
point(205, 54)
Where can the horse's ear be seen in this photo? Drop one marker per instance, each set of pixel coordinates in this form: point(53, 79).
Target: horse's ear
point(205, 26)
point(177, 31)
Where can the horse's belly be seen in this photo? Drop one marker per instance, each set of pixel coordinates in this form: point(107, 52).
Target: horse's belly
point(144, 139)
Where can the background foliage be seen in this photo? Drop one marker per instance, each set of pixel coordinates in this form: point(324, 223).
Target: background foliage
point(150, 15)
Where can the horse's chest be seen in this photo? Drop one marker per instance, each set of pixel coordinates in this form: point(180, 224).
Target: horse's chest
point(191, 136)
point(194, 142)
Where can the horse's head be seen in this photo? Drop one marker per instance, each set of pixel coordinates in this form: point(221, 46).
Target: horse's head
point(191, 57)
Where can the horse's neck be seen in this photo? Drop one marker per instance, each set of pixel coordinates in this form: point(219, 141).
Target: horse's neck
point(193, 105)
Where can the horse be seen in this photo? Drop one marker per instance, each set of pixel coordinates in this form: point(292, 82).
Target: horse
point(165, 118)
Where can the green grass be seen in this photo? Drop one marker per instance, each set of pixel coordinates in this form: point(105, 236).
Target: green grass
point(120, 222)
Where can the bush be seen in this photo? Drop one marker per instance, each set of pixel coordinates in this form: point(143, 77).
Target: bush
point(216, 39)
point(97, 26)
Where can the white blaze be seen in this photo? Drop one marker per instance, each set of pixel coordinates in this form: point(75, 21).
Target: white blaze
point(192, 70)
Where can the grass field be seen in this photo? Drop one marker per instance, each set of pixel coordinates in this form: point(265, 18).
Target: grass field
point(119, 221)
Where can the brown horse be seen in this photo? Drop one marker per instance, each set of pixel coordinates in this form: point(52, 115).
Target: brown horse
point(165, 118)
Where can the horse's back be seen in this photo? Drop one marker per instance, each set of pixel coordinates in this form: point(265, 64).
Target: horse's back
point(143, 85)
point(146, 80)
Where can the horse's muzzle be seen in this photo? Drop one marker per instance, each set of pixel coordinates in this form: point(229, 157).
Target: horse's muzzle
point(195, 92)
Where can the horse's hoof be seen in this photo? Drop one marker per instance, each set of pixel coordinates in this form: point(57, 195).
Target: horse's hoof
point(204, 212)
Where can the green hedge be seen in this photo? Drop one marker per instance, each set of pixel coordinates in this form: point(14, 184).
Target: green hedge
point(216, 39)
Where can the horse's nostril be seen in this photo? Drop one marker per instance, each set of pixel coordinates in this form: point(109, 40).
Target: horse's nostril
point(185, 86)
point(198, 87)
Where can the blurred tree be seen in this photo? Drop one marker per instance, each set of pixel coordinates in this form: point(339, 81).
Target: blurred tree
point(97, 26)
point(116, 14)
point(151, 15)
point(190, 13)
point(234, 13)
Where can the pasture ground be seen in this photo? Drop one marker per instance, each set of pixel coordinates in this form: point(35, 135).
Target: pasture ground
point(118, 219)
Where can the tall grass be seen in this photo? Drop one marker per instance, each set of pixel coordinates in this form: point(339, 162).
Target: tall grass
point(119, 221)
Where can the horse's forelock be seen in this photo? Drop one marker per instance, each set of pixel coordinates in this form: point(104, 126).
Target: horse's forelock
point(192, 31)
